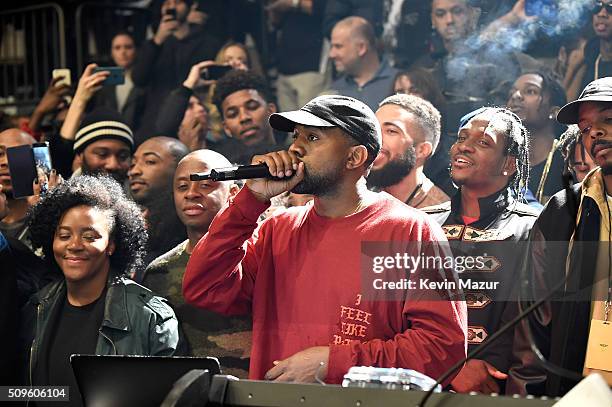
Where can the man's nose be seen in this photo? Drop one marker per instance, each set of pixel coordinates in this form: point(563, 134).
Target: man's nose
point(111, 163)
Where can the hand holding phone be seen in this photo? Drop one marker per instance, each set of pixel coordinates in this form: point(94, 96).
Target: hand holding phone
point(171, 13)
point(64, 77)
point(167, 26)
point(27, 163)
point(116, 76)
point(214, 72)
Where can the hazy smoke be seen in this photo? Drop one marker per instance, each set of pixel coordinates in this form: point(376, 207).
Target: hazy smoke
point(393, 20)
point(488, 57)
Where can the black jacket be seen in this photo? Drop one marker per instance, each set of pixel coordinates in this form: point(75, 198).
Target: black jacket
point(559, 328)
point(163, 68)
point(132, 110)
point(21, 275)
point(503, 223)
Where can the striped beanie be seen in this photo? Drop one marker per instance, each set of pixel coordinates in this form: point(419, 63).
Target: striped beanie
point(102, 123)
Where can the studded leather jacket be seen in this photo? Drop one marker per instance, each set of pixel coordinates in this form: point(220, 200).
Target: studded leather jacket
point(494, 236)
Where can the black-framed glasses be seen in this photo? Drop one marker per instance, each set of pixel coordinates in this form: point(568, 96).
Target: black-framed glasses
point(599, 5)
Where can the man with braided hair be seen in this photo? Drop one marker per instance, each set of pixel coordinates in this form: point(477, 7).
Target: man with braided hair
point(577, 162)
point(490, 164)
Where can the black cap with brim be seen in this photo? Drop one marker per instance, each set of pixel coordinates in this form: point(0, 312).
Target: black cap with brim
point(599, 90)
point(351, 115)
point(286, 121)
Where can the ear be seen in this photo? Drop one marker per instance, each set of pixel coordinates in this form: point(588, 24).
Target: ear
point(77, 162)
point(272, 108)
point(357, 157)
point(362, 48)
point(553, 112)
point(424, 150)
point(233, 190)
point(110, 249)
point(509, 165)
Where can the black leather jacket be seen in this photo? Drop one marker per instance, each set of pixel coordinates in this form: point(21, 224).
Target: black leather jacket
point(559, 328)
point(502, 224)
point(136, 322)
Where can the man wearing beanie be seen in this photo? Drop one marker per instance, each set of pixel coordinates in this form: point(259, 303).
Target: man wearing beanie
point(104, 144)
point(315, 313)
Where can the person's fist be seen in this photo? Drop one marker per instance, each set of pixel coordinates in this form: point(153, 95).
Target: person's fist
point(285, 166)
point(478, 375)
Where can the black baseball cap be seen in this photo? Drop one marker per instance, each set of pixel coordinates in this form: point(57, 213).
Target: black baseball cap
point(599, 90)
point(351, 115)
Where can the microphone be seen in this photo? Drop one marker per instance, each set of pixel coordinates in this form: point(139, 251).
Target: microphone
point(235, 173)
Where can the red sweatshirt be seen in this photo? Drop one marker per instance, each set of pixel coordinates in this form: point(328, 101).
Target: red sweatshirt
point(300, 277)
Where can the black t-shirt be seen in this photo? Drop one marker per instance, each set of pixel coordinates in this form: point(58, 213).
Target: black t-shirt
point(554, 181)
point(74, 330)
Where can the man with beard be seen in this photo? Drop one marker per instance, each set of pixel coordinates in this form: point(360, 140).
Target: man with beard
point(197, 202)
point(104, 144)
point(245, 103)
point(570, 242)
point(410, 134)
point(299, 275)
point(489, 163)
point(150, 178)
point(14, 222)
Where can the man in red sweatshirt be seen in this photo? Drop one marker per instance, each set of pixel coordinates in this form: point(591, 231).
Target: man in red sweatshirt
point(300, 274)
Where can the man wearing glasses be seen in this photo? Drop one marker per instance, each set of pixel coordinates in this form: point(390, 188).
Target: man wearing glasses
point(595, 60)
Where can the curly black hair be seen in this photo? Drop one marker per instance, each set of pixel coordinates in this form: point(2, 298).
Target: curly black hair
point(102, 192)
point(238, 80)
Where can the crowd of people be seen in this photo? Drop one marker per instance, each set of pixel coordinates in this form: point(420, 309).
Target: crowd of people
point(119, 252)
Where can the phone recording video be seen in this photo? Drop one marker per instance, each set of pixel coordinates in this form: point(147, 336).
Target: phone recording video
point(26, 163)
point(171, 12)
point(116, 77)
point(64, 75)
point(214, 72)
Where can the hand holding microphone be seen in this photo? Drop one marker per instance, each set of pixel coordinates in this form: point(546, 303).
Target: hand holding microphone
point(281, 164)
point(269, 174)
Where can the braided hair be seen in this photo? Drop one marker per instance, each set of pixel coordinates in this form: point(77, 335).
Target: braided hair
point(516, 144)
point(568, 142)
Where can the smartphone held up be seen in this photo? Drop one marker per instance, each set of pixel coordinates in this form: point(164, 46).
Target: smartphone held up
point(27, 163)
point(116, 77)
point(214, 72)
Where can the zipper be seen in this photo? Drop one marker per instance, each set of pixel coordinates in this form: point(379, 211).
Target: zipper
point(108, 339)
point(33, 347)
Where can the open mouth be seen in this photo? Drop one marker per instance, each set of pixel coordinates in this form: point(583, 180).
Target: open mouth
point(515, 108)
point(461, 162)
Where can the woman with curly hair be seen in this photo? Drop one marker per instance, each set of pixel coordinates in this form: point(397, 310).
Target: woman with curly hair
point(91, 237)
